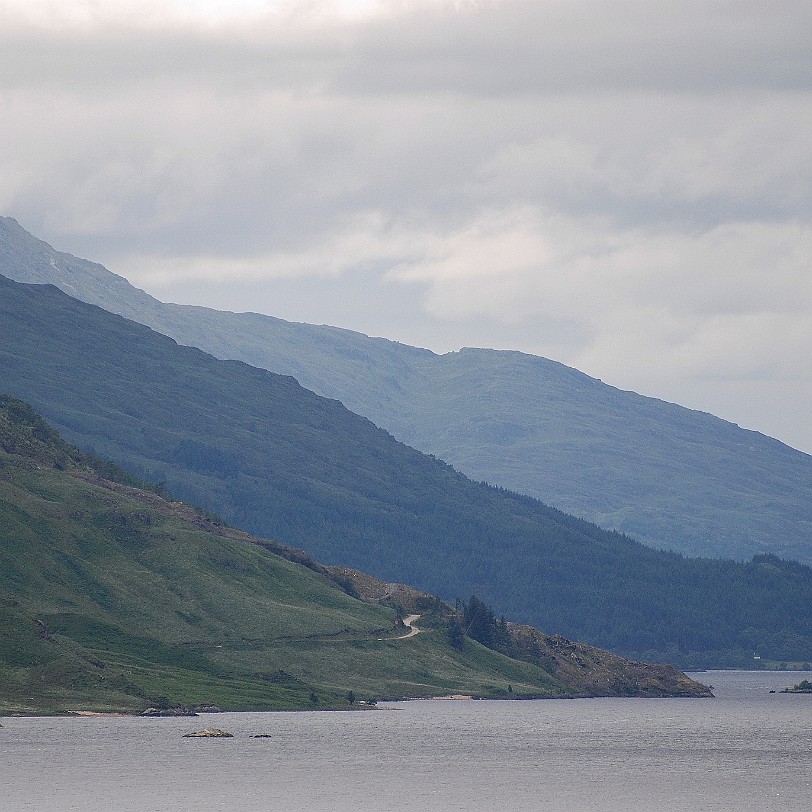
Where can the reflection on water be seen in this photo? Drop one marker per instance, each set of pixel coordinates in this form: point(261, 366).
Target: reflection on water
point(747, 749)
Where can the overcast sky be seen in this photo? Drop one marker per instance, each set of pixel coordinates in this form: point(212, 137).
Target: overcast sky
point(621, 186)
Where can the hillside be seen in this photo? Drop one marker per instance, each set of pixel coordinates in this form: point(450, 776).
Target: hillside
point(671, 477)
point(279, 461)
point(113, 598)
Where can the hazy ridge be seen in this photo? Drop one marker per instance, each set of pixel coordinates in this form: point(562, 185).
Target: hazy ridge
point(669, 476)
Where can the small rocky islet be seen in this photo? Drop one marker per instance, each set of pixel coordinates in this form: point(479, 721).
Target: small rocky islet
point(209, 733)
point(803, 687)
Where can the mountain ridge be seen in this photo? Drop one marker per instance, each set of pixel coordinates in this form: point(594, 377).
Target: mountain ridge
point(280, 461)
point(672, 477)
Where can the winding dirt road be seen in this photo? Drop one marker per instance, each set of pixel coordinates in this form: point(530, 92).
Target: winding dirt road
point(409, 622)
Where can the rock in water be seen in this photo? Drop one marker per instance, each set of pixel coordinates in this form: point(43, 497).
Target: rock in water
point(209, 733)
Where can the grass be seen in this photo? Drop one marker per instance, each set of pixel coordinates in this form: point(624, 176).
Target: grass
point(109, 603)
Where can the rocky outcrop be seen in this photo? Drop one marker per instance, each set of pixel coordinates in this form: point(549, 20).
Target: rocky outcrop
point(803, 687)
point(176, 711)
point(590, 671)
point(209, 733)
point(206, 709)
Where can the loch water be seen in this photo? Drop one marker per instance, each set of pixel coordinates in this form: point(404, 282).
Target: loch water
point(746, 749)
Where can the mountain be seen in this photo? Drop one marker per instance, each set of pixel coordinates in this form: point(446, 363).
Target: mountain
point(113, 598)
point(671, 477)
point(281, 462)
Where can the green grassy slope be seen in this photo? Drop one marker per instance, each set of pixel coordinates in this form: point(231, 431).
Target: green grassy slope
point(671, 477)
point(112, 598)
point(279, 461)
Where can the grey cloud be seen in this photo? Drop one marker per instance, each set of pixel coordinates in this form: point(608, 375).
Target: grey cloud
point(625, 187)
point(522, 47)
point(531, 47)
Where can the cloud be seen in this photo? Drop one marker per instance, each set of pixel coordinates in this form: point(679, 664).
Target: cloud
point(625, 187)
point(527, 47)
point(665, 293)
point(84, 15)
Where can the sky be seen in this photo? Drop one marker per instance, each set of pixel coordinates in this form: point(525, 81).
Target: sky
point(624, 187)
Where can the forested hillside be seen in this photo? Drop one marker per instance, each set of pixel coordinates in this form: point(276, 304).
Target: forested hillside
point(668, 476)
point(279, 461)
point(114, 598)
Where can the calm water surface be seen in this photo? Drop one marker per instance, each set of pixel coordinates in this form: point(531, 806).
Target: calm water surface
point(745, 750)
